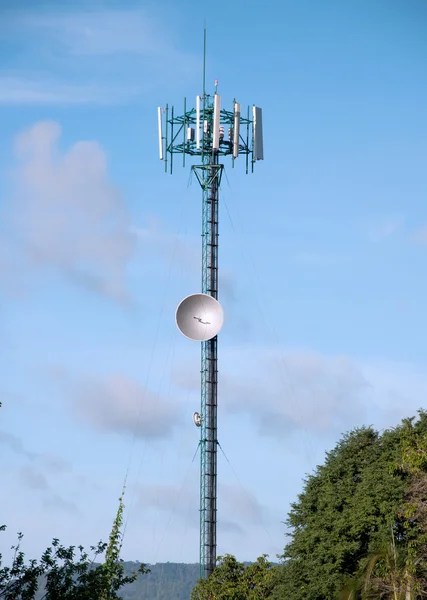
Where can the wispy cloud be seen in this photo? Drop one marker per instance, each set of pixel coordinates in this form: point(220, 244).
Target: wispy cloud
point(26, 90)
point(86, 57)
point(50, 463)
point(99, 32)
point(178, 502)
point(306, 392)
point(298, 390)
point(180, 251)
point(384, 229)
point(420, 236)
point(15, 444)
point(239, 507)
point(36, 480)
point(242, 503)
point(117, 403)
point(317, 259)
point(170, 246)
point(38, 469)
point(65, 212)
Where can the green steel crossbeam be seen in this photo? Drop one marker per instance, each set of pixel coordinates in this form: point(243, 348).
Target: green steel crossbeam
point(189, 147)
point(207, 175)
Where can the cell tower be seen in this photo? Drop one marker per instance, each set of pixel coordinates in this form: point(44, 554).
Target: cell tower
point(200, 132)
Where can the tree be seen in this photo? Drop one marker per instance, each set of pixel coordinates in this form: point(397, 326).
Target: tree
point(20, 580)
point(414, 510)
point(398, 569)
point(67, 573)
point(232, 580)
point(345, 514)
point(383, 574)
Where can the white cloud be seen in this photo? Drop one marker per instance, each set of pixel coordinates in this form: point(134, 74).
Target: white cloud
point(283, 393)
point(238, 507)
point(15, 444)
point(88, 56)
point(37, 471)
point(420, 236)
point(297, 390)
point(33, 478)
point(118, 403)
point(397, 391)
point(36, 481)
point(49, 462)
point(317, 259)
point(176, 502)
point(64, 212)
point(167, 245)
point(244, 505)
point(26, 90)
point(384, 229)
point(100, 32)
point(182, 252)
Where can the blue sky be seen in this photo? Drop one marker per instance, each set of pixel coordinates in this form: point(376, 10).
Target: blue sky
point(323, 260)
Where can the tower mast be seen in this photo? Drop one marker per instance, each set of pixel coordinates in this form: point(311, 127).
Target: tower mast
point(200, 132)
point(209, 372)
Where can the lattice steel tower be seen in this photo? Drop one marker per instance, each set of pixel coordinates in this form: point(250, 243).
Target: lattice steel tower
point(201, 132)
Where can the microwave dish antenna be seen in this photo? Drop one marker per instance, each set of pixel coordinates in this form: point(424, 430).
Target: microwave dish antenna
point(199, 317)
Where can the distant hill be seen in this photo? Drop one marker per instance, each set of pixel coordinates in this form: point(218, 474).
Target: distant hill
point(166, 581)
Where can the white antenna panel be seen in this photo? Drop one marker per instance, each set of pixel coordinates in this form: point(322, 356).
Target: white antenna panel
point(217, 109)
point(199, 317)
point(258, 148)
point(236, 133)
point(190, 134)
point(198, 122)
point(159, 122)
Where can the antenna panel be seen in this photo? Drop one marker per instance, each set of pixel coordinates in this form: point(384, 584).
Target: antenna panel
point(198, 122)
point(216, 117)
point(258, 148)
point(199, 317)
point(159, 123)
point(190, 134)
point(236, 133)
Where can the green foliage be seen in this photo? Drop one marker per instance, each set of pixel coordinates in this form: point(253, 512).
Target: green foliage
point(398, 569)
point(72, 576)
point(232, 580)
point(259, 579)
point(382, 574)
point(68, 573)
point(113, 576)
point(20, 580)
point(350, 523)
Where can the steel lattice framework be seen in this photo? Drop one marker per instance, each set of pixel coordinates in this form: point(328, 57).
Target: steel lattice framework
point(193, 134)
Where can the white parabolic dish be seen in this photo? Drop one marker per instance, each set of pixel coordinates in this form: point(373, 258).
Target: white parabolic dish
point(199, 317)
